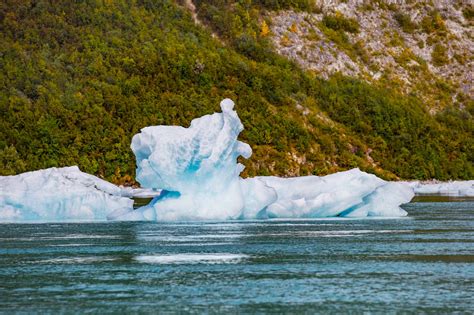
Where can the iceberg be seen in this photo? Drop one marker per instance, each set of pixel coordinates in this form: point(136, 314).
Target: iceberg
point(350, 193)
point(196, 168)
point(193, 174)
point(59, 195)
point(197, 171)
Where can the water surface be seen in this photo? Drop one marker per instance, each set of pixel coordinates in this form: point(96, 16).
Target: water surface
point(423, 263)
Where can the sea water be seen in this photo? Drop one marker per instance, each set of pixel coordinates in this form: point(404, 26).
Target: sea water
point(420, 263)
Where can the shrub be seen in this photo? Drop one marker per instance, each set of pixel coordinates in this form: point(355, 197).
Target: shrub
point(339, 22)
point(439, 55)
point(405, 22)
point(434, 23)
point(468, 13)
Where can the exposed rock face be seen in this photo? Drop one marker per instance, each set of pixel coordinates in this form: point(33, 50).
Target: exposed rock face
point(418, 45)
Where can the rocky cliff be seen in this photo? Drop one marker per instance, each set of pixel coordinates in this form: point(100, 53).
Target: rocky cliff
point(424, 48)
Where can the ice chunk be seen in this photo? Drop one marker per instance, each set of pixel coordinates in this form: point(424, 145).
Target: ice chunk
point(139, 192)
point(193, 174)
point(196, 168)
point(452, 188)
point(57, 195)
point(339, 194)
point(385, 201)
point(257, 196)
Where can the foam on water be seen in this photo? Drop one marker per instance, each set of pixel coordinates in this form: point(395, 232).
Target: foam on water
point(77, 260)
point(191, 258)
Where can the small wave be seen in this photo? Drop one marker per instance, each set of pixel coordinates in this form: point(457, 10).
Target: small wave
point(61, 237)
point(216, 258)
point(76, 260)
point(72, 245)
point(188, 238)
point(79, 236)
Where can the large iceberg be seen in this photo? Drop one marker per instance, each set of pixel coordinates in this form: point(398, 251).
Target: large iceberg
point(59, 195)
point(196, 168)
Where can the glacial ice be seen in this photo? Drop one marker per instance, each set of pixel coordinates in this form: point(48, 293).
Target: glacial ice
point(58, 195)
point(351, 193)
point(193, 174)
point(197, 170)
point(139, 192)
point(451, 188)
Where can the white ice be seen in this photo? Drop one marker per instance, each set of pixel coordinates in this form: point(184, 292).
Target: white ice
point(139, 192)
point(351, 193)
point(197, 171)
point(195, 167)
point(451, 188)
point(58, 195)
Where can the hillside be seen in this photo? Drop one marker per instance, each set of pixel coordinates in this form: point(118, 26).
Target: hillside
point(79, 79)
point(425, 48)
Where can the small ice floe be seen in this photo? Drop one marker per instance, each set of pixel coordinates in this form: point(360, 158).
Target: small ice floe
point(451, 188)
point(59, 195)
point(139, 192)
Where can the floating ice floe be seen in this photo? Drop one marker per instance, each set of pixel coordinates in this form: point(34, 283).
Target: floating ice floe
point(197, 170)
point(350, 193)
point(58, 195)
point(452, 188)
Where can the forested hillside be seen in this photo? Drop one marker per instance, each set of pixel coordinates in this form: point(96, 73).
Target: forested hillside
point(79, 78)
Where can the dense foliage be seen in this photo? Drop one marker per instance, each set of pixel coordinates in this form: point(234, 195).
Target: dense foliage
point(79, 78)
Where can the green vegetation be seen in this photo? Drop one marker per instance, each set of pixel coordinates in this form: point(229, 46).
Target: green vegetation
point(468, 13)
point(339, 22)
point(304, 5)
point(439, 55)
point(80, 78)
point(434, 23)
point(405, 22)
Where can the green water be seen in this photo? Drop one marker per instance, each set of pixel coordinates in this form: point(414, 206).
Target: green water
point(423, 264)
